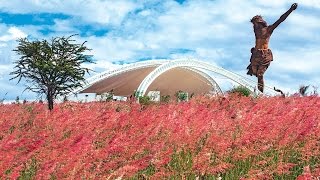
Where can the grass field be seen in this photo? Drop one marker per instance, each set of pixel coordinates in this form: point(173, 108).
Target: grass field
point(206, 138)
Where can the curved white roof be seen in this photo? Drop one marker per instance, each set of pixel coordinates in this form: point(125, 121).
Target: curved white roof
point(168, 76)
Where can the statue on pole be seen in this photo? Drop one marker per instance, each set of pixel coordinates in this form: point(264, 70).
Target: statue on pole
point(261, 55)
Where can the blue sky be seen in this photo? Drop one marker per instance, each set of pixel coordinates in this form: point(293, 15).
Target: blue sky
point(124, 31)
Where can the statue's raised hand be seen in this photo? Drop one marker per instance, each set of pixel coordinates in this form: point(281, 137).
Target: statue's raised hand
point(294, 6)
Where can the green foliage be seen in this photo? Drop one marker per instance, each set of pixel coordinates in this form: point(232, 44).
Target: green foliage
point(181, 96)
point(109, 96)
point(165, 98)
point(53, 176)
point(106, 97)
point(241, 90)
point(11, 129)
point(144, 100)
point(8, 171)
point(181, 164)
point(137, 94)
point(51, 68)
point(240, 168)
point(173, 141)
point(66, 135)
point(29, 171)
point(145, 173)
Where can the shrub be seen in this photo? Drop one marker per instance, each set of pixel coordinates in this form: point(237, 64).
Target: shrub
point(144, 100)
point(181, 96)
point(165, 98)
point(241, 90)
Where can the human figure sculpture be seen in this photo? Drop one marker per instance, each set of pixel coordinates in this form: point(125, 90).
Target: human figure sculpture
point(261, 55)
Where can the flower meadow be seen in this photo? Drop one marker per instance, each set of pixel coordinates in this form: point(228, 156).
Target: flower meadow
point(231, 137)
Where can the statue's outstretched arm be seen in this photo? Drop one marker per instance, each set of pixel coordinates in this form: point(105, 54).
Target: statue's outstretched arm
point(282, 18)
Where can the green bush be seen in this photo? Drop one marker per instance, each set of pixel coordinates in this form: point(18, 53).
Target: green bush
point(144, 100)
point(165, 99)
point(137, 94)
point(181, 96)
point(241, 90)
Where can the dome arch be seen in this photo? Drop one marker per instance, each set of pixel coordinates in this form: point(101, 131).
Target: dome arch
point(159, 67)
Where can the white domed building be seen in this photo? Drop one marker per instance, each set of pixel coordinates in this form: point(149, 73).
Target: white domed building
point(164, 76)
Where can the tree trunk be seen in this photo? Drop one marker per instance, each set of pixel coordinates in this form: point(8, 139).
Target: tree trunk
point(50, 100)
point(50, 103)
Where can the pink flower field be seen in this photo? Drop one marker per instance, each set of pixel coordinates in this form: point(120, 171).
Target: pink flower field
point(206, 138)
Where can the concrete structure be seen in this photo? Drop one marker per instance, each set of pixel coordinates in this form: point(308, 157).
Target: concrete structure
point(166, 76)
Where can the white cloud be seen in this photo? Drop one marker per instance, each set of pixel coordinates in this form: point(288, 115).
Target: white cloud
point(281, 3)
point(310, 3)
point(13, 34)
point(113, 48)
point(97, 11)
point(101, 64)
point(215, 31)
point(195, 24)
point(211, 54)
point(8, 42)
point(298, 61)
point(303, 26)
point(65, 26)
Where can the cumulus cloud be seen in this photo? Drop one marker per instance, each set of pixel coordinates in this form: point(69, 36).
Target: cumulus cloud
point(309, 3)
point(104, 12)
point(281, 3)
point(217, 31)
point(13, 34)
point(305, 63)
point(7, 43)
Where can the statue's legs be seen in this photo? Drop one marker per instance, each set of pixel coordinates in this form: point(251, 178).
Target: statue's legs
point(259, 62)
point(260, 83)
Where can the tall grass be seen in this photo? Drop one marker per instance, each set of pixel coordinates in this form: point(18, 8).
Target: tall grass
point(232, 137)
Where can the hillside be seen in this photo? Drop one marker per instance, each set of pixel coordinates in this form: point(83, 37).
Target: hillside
point(232, 138)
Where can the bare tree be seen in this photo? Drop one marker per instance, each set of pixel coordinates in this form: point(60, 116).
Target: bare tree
point(303, 90)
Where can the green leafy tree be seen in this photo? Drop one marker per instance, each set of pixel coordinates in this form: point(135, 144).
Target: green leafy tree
point(51, 68)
